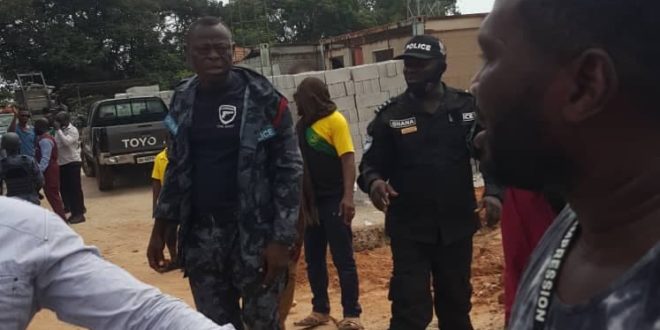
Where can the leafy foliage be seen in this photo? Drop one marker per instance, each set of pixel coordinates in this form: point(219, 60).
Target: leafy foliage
point(73, 41)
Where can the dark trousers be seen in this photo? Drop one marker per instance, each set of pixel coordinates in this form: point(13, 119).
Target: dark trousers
point(71, 189)
point(331, 231)
point(417, 267)
point(214, 266)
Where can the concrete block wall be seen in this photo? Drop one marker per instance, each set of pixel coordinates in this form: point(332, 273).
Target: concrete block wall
point(358, 92)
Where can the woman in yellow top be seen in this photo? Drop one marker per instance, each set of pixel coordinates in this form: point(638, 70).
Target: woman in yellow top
point(328, 207)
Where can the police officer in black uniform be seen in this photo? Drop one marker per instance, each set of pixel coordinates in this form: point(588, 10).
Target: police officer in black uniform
point(417, 170)
point(19, 172)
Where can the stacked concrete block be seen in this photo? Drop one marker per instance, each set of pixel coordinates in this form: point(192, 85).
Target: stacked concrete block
point(371, 86)
point(336, 81)
point(288, 93)
point(337, 90)
point(316, 74)
point(337, 76)
point(387, 69)
point(346, 106)
point(350, 87)
point(349, 114)
point(399, 67)
point(367, 105)
point(294, 111)
point(366, 80)
point(284, 82)
point(364, 72)
point(358, 137)
point(393, 85)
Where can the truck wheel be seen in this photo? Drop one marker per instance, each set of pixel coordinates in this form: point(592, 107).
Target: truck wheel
point(88, 167)
point(104, 177)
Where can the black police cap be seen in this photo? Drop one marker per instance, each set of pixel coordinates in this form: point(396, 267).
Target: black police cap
point(424, 47)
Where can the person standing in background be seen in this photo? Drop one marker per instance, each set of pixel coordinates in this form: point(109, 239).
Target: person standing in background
point(157, 179)
point(416, 168)
point(19, 172)
point(24, 130)
point(46, 157)
point(329, 177)
point(526, 215)
point(68, 146)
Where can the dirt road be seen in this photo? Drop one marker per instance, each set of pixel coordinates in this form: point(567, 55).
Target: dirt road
point(119, 223)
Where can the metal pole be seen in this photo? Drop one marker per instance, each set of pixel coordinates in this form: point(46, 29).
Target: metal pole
point(323, 67)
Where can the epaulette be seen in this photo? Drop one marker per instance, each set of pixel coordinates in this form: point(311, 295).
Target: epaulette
point(385, 105)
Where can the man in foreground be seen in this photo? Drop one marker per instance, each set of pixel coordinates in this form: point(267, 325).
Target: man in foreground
point(68, 147)
point(568, 92)
point(232, 184)
point(45, 264)
point(20, 173)
point(417, 170)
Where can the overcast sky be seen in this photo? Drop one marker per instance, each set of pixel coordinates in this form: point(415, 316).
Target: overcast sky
point(466, 6)
point(475, 6)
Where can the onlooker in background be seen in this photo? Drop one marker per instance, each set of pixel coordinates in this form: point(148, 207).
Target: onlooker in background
point(19, 172)
point(68, 158)
point(526, 215)
point(157, 179)
point(45, 265)
point(329, 177)
point(24, 130)
point(417, 170)
point(46, 157)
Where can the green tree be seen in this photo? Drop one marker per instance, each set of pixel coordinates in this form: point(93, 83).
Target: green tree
point(5, 94)
point(83, 40)
point(73, 41)
point(387, 11)
point(306, 21)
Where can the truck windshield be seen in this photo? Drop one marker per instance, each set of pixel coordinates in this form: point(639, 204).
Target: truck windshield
point(130, 111)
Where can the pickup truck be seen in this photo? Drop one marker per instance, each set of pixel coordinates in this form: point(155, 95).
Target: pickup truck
point(122, 132)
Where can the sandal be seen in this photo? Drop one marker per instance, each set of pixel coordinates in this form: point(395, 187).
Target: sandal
point(350, 323)
point(313, 320)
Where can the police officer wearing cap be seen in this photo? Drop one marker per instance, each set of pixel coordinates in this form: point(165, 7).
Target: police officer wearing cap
point(20, 173)
point(417, 170)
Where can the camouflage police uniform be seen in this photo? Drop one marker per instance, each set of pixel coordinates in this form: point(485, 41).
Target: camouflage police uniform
point(226, 258)
point(22, 176)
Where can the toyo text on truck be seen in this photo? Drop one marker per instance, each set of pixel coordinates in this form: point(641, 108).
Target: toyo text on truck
point(118, 132)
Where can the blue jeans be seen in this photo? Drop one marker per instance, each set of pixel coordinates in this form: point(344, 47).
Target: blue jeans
point(331, 231)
